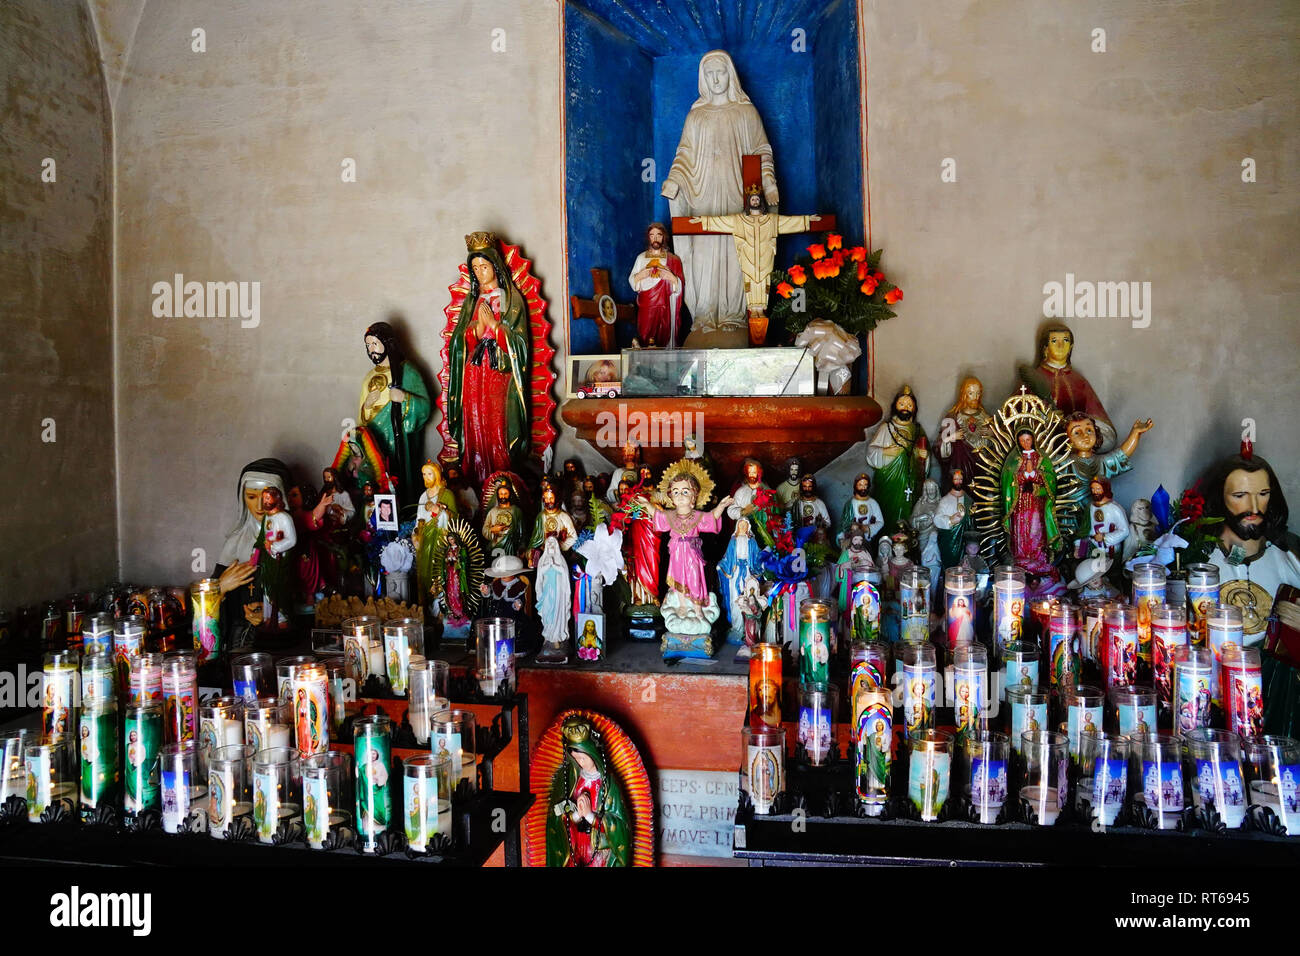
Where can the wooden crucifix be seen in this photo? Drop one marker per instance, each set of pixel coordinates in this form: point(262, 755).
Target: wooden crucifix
point(755, 232)
point(602, 307)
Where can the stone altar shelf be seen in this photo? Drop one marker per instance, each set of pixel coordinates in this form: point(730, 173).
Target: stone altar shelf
point(817, 429)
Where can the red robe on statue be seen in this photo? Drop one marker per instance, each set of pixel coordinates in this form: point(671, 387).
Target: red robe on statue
point(644, 576)
point(486, 446)
point(659, 308)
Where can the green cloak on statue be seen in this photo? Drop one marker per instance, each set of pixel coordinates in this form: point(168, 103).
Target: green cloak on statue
point(606, 839)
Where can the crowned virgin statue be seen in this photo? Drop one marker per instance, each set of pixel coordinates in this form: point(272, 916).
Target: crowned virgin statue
point(1028, 499)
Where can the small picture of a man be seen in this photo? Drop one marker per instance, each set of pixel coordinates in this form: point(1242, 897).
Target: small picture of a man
point(386, 512)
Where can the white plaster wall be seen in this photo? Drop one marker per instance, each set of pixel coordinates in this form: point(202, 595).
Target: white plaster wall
point(229, 169)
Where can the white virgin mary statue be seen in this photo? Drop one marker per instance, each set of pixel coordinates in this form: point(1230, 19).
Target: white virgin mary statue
point(705, 180)
point(553, 602)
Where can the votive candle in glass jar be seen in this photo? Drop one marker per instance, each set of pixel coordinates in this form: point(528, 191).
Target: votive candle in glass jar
point(1046, 782)
point(970, 687)
point(359, 633)
point(13, 772)
point(180, 685)
point(1008, 604)
point(815, 618)
point(1156, 776)
point(97, 633)
point(1019, 666)
point(60, 693)
point(327, 800)
point(228, 799)
point(1027, 710)
point(495, 655)
point(184, 784)
point(424, 701)
point(920, 679)
point(1202, 599)
point(205, 599)
point(914, 605)
point(1148, 594)
point(142, 741)
point(986, 785)
point(372, 746)
point(1063, 647)
point(48, 776)
point(454, 733)
point(426, 792)
point(864, 605)
point(285, 668)
point(267, 724)
point(929, 772)
point(1103, 776)
point(872, 736)
point(311, 708)
point(1084, 713)
point(144, 679)
point(1133, 707)
point(128, 646)
point(1273, 763)
point(959, 606)
point(1119, 647)
point(98, 675)
point(1224, 631)
point(1168, 632)
point(402, 638)
point(97, 742)
point(1090, 642)
point(763, 756)
point(221, 724)
point(1194, 681)
point(765, 686)
point(276, 790)
point(1241, 677)
point(1219, 780)
point(817, 722)
point(336, 672)
point(253, 676)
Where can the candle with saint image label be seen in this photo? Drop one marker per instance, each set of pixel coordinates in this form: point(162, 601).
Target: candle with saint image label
point(128, 646)
point(1120, 644)
point(97, 743)
point(205, 599)
point(1242, 680)
point(1008, 604)
point(763, 756)
point(276, 790)
point(1026, 710)
point(359, 633)
point(1133, 708)
point(49, 778)
point(454, 733)
point(228, 797)
point(959, 606)
point(1202, 598)
point(929, 772)
point(914, 605)
point(267, 724)
point(285, 668)
point(403, 639)
point(920, 680)
point(495, 654)
point(1193, 687)
point(970, 687)
point(1103, 776)
point(1168, 633)
point(144, 680)
point(1019, 666)
point(97, 634)
point(327, 795)
point(1046, 784)
point(252, 676)
point(1148, 594)
point(180, 686)
point(372, 746)
point(13, 774)
point(1273, 764)
point(60, 693)
point(765, 686)
point(1224, 631)
point(311, 708)
point(817, 722)
point(985, 764)
point(1084, 713)
point(184, 785)
point(1065, 637)
point(221, 724)
point(426, 783)
point(1156, 776)
point(142, 740)
point(1220, 781)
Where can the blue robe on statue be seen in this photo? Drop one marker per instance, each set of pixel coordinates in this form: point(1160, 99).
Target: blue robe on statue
point(736, 565)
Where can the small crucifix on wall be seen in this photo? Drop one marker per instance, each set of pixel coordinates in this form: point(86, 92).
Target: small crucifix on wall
point(603, 309)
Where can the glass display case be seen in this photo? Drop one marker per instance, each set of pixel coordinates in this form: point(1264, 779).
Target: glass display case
point(715, 373)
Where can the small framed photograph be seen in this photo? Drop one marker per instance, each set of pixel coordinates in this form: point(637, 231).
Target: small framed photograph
point(386, 512)
point(595, 376)
point(590, 637)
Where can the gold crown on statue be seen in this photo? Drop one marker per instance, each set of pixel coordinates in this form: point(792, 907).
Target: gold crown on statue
point(754, 190)
point(576, 730)
point(480, 241)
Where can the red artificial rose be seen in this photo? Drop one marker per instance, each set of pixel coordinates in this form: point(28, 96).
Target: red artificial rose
point(834, 240)
point(783, 289)
point(894, 295)
point(797, 275)
point(864, 271)
point(868, 287)
point(858, 253)
point(817, 251)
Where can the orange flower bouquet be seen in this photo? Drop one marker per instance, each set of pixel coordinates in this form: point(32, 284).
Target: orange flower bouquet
point(835, 283)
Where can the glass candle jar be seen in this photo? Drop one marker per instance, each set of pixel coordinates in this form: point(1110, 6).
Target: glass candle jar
point(228, 797)
point(959, 606)
point(327, 795)
point(97, 633)
point(1046, 783)
point(763, 756)
point(1084, 712)
point(985, 764)
point(914, 605)
point(1008, 604)
point(1026, 710)
point(424, 699)
point(13, 767)
point(1241, 677)
point(336, 672)
point(372, 746)
point(276, 790)
point(1156, 776)
point(1102, 781)
point(402, 638)
point(1019, 667)
point(817, 722)
point(60, 693)
point(1133, 708)
point(1219, 780)
point(1202, 599)
point(1148, 594)
point(454, 733)
point(1168, 633)
point(494, 650)
point(142, 741)
point(815, 619)
point(205, 599)
point(1194, 681)
point(1090, 642)
point(180, 686)
point(1119, 649)
point(1065, 637)
point(267, 724)
point(97, 741)
point(1273, 766)
point(98, 675)
point(426, 804)
point(310, 709)
point(872, 736)
point(359, 633)
point(970, 687)
point(253, 676)
point(221, 724)
point(128, 646)
point(929, 772)
point(765, 686)
point(184, 784)
point(920, 680)
point(144, 679)
point(285, 668)
point(1224, 631)
point(48, 776)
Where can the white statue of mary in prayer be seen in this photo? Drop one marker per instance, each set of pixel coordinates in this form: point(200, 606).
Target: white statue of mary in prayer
point(553, 602)
point(705, 180)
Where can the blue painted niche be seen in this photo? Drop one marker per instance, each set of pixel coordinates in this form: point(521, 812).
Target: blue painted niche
point(631, 70)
